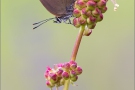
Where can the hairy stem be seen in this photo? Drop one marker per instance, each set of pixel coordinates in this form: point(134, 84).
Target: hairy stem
point(74, 52)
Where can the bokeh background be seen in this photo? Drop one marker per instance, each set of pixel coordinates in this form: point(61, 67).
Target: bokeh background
point(107, 56)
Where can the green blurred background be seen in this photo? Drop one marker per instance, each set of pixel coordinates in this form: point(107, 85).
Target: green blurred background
point(107, 56)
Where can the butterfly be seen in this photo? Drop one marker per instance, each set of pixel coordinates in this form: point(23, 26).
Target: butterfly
point(61, 9)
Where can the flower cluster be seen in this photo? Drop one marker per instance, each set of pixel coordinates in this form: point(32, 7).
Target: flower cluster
point(89, 12)
point(64, 71)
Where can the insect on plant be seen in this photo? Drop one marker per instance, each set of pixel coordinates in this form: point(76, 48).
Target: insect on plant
point(86, 13)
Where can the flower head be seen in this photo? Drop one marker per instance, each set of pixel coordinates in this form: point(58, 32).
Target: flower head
point(88, 12)
point(56, 76)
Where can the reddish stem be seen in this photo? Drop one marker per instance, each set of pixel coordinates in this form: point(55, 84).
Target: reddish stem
point(77, 43)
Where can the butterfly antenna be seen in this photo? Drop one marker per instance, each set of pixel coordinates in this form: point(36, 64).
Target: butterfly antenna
point(42, 22)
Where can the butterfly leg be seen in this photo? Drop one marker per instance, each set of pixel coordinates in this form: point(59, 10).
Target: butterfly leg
point(58, 20)
point(69, 22)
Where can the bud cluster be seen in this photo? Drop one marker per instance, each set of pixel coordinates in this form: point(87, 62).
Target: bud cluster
point(64, 71)
point(89, 12)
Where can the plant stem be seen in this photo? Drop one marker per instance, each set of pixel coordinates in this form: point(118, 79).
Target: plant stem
point(74, 52)
point(77, 43)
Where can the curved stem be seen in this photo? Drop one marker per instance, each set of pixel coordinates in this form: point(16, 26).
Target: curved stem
point(74, 52)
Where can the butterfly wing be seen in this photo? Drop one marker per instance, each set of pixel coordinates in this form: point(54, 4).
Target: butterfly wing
point(56, 7)
point(69, 2)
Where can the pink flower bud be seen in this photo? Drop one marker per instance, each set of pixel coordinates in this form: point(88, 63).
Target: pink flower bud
point(59, 71)
point(74, 78)
point(101, 3)
point(48, 68)
point(53, 77)
point(72, 73)
point(80, 4)
point(100, 18)
point(104, 9)
point(49, 84)
point(91, 20)
point(82, 20)
point(76, 13)
point(66, 66)
point(91, 5)
point(78, 70)
point(84, 13)
point(76, 22)
point(89, 13)
point(72, 62)
point(73, 65)
point(65, 75)
point(46, 75)
point(60, 65)
point(91, 26)
point(96, 12)
point(87, 32)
